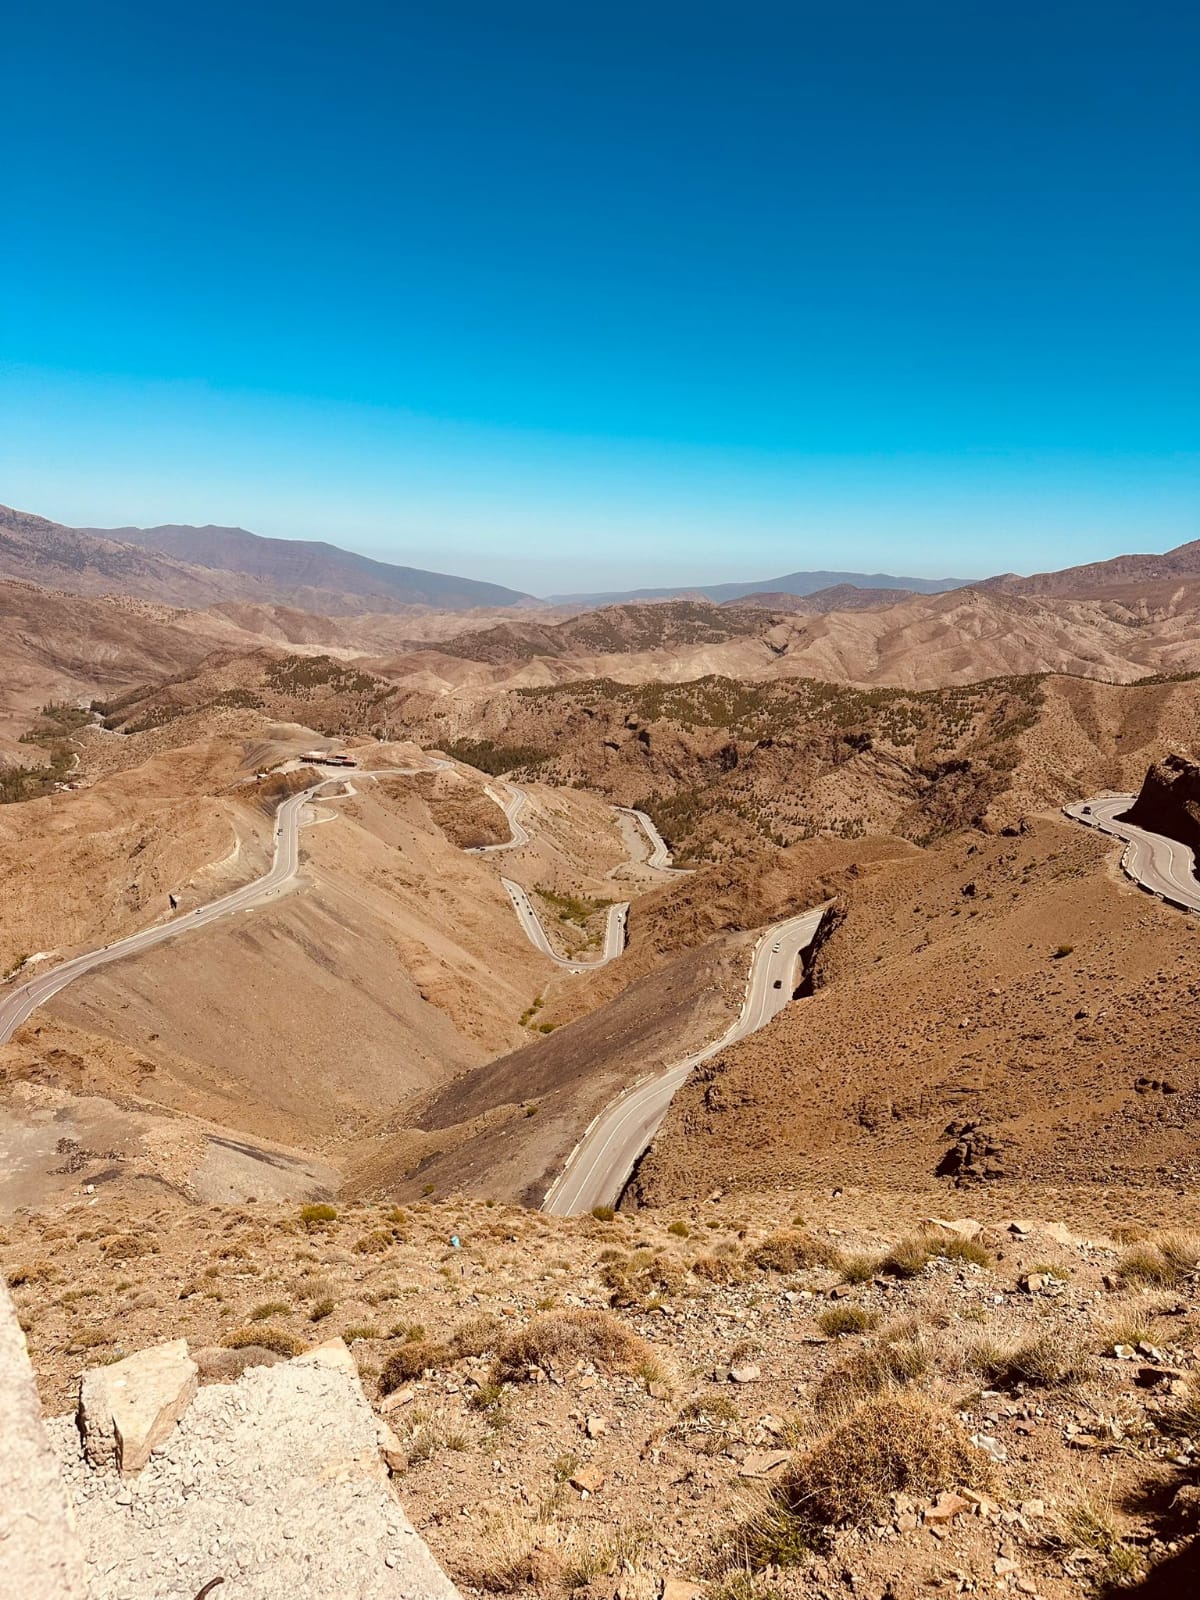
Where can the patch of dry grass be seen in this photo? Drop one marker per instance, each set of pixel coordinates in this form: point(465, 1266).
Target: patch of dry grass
point(414, 1357)
point(279, 1340)
point(892, 1444)
point(1050, 1360)
point(901, 1354)
point(792, 1250)
point(559, 1338)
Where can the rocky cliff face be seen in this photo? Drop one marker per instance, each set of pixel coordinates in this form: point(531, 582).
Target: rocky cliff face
point(1169, 801)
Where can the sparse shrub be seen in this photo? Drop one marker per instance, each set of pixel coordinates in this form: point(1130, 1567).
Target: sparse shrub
point(859, 1268)
point(1062, 951)
point(841, 1320)
point(603, 1213)
point(908, 1258)
point(320, 1309)
point(279, 1340)
point(269, 1308)
point(410, 1361)
point(129, 1246)
point(375, 1242)
point(559, 1338)
point(680, 1230)
point(31, 1272)
point(719, 1269)
point(360, 1331)
point(792, 1250)
point(410, 1332)
point(599, 1553)
point(1047, 1361)
point(1146, 1264)
point(899, 1356)
point(894, 1444)
point(954, 1248)
point(317, 1215)
point(475, 1337)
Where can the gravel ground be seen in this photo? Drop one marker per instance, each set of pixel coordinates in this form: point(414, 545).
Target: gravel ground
point(273, 1483)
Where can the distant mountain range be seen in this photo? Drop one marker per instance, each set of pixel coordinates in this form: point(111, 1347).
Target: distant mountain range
point(206, 566)
point(797, 583)
point(175, 564)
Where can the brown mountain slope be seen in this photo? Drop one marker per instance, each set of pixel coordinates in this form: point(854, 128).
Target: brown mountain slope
point(841, 597)
point(1004, 1009)
point(1182, 564)
point(920, 642)
point(204, 566)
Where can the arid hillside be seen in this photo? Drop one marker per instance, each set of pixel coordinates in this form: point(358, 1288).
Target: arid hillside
point(1003, 1009)
point(795, 1395)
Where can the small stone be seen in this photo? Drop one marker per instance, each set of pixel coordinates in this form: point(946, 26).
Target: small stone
point(946, 1507)
point(588, 1480)
point(594, 1427)
point(1003, 1566)
point(680, 1589)
point(747, 1374)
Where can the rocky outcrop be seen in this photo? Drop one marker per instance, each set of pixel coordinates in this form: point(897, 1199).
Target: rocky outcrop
point(39, 1553)
point(275, 1484)
point(128, 1409)
point(1169, 802)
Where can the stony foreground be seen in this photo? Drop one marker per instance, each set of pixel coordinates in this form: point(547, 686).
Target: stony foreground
point(741, 1399)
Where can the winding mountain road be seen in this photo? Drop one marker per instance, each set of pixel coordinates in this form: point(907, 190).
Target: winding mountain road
point(512, 808)
point(23, 999)
point(1157, 864)
point(614, 932)
point(599, 1166)
point(659, 856)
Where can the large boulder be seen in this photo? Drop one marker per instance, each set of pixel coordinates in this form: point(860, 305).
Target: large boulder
point(130, 1408)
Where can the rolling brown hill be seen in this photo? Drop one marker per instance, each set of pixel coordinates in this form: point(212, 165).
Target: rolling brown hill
point(841, 597)
point(204, 566)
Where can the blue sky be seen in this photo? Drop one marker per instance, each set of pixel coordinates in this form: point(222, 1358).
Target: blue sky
point(595, 296)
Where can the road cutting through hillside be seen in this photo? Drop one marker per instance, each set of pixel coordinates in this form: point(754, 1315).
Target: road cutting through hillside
point(660, 857)
point(600, 1165)
point(24, 999)
point(615, 928)
point(1157, 864)
point(512, 809)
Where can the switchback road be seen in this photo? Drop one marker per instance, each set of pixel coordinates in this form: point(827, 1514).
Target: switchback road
point(599, 1166)
point(21, 1001)
point(1160, 865)
point(659, 855)
point(614, 932)
point(512, 808)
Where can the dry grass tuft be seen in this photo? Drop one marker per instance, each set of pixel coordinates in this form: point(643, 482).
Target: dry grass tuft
point(1047, 1361)
point(893, 1444)
point(279, 1340)
point(838, 1321)
point(900, 1356)
point(560, 1338)
point(792, 1250)
point(413, 1358)
point(476, 1336)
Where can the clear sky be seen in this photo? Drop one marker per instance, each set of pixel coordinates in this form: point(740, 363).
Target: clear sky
point(593, 295)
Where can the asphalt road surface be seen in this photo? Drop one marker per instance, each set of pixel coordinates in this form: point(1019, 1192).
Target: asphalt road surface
point(659, 855)
point(614, 932)
point(1161, 865)
point(599, 1166)
point(512, 808)
point(22, 1000)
